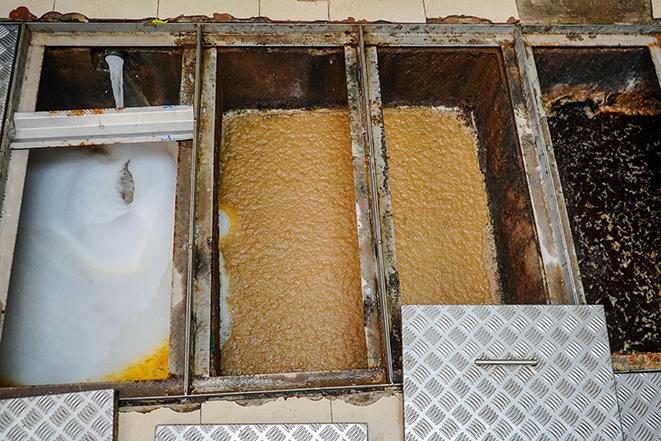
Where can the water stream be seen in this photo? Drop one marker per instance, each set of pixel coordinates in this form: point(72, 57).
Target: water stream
point(116, 66)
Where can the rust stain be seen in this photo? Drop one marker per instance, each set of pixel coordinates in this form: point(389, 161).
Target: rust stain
point(22, 13)
point(636, 361)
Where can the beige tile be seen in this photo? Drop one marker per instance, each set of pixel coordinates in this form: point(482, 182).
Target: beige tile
point(137, 426)
point(372, 10)
point(497, 11)
point(236, 8)
point(384, 418)
point(302, 10)
point(104, 9)
point(290, 410)
point(656, 8)
point(36, 7)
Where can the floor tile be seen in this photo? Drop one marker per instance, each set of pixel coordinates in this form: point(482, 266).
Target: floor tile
point(103, 9)
point(292, 10)
point(498, 11)
point(384, 417)
point(411, 11)
point(236, 8)
point(62, 417)
point(139, 426)
point(290, 410)
point(36, 7)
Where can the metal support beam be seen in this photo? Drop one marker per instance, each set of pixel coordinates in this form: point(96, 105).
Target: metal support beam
point(69, 128)
point(555, 203)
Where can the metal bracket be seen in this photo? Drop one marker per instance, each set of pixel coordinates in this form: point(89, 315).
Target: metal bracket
point(69, 128)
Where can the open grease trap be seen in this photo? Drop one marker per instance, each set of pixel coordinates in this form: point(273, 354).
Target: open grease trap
point(335, 173)
point(603, 107)
point(95, 294)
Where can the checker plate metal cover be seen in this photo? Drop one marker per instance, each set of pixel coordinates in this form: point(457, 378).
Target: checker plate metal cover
point(263, 432)
point(8, 40)
point(79, 416)
point(639, 395)
point(568, 395)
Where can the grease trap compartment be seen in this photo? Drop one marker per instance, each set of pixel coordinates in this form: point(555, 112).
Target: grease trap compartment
point(463, 225)
point(290, 292)
point(603, 107)
point(91, 286)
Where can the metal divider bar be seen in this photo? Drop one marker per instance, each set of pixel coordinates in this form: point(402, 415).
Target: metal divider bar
point(555, 204)
point(549, 251)
point(360, 141)
point(382, 206)
point(193, 199)
point(204, 225)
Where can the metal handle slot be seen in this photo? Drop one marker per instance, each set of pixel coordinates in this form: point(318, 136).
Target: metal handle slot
point(506, 362)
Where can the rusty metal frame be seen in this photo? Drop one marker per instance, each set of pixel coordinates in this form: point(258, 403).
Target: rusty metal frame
point(34, 39)
point(207, 379)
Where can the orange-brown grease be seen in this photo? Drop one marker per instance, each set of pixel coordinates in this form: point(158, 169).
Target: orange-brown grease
point(443, 237)
point(291, 254)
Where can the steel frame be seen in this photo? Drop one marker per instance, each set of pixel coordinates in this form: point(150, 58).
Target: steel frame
point(194, 374)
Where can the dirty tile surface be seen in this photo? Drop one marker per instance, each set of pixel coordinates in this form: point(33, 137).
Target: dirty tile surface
point(36, 7)
point(372, 10)
point(294, 10)
point(639, 395)
point(263, 432)
point(235, 8)
point(568, 394)
point(497, 11)
point(290, 410)
point(656, 8)
point(384, 417)
point(103, 9)
point(139, 426)
point(62, 417)
point(582, 11)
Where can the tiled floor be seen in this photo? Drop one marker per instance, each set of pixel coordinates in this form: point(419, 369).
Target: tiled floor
point(384, 416)
point(498, 11)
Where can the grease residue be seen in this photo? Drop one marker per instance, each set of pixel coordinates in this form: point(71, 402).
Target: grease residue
point(443, 235)
point(290, 252)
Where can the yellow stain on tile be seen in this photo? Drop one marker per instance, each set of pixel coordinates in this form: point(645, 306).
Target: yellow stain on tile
point(153, 367)
point(443, 238)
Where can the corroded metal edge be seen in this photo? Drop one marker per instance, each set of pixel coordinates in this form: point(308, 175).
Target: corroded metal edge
point(203, 242)
point(437, 35)
point(385, 224)
point(368, 264)
point(548, 248)
point(556, 211)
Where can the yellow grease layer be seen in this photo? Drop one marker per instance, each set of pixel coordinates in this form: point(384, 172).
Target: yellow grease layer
point(294, 295)
point(154, 367)
point(443, 237)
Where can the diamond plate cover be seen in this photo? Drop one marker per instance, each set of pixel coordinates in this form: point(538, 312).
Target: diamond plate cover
point(639, 395)
point(568, 395)
point(79, 416)
point(8, 40)
point(263, 432)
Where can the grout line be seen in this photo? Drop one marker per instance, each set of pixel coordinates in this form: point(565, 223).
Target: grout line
point(259, 8)
point(328, 9)
point(330, 404)
point(424, 9)
point(158, 8)
point(53, 9)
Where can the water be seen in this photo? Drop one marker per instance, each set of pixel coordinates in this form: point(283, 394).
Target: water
point(116, 66)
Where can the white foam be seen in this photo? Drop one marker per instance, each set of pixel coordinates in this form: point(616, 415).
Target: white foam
point(90, 286)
